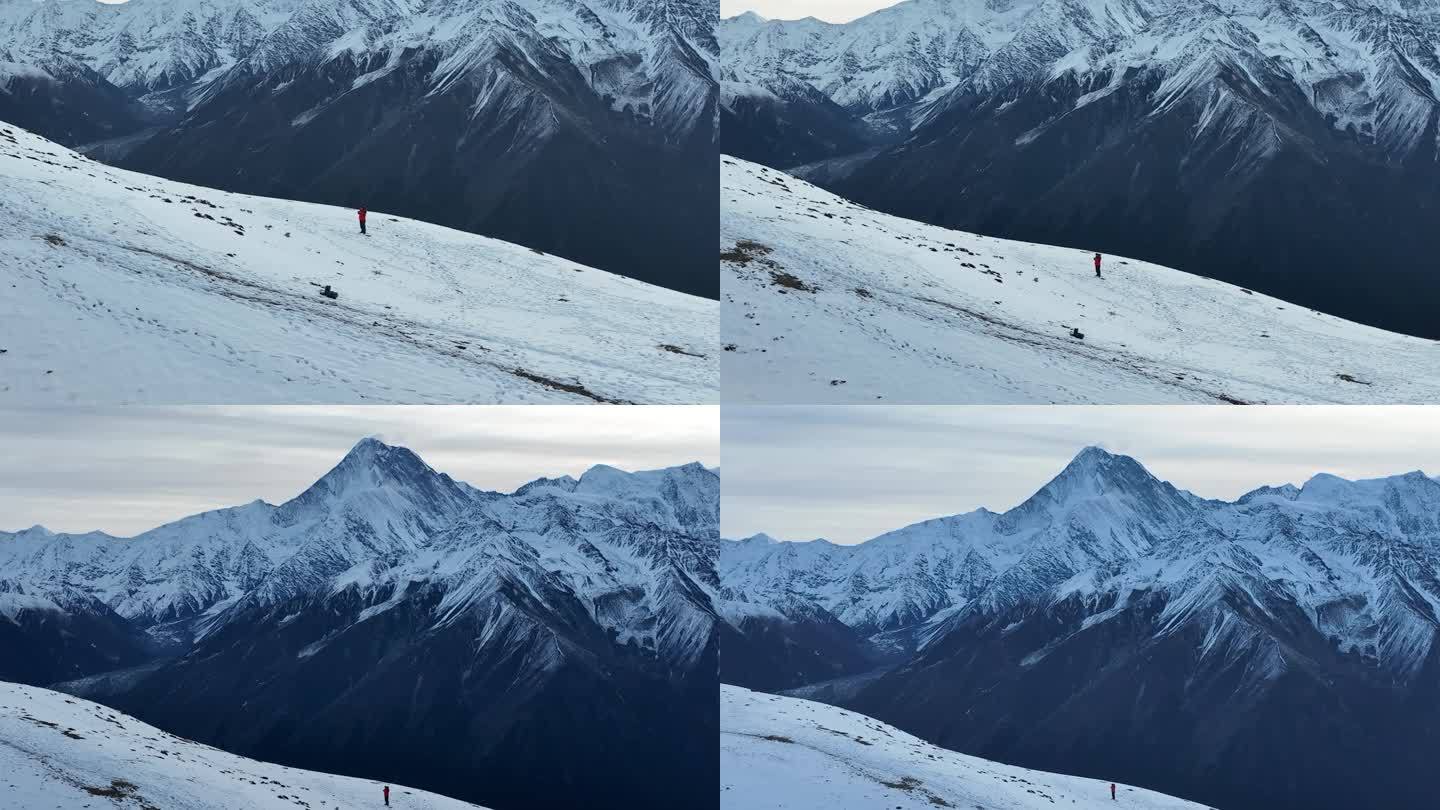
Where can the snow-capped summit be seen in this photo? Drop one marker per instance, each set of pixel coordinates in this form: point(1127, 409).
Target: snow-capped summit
point(1112, 612)
point(380, 599)
point(372, 466)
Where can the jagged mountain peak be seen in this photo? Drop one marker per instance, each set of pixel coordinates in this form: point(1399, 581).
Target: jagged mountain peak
point(747, 17)
point(1093, 473)
point(373, 464)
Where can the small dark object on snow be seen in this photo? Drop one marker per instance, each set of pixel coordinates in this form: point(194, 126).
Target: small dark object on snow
point(329, 293)
point(1077, 334)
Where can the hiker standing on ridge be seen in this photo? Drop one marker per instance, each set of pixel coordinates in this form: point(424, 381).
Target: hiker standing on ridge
point(1112, 784)
point(361, 214)
point(1097, 255)
point(387, 787)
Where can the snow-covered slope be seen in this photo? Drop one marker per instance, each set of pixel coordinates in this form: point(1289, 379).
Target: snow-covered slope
point(63, 752)
point(1281, 145)
point(125, 288)
point(782, 752)
point(549, 123)
point(825, 300)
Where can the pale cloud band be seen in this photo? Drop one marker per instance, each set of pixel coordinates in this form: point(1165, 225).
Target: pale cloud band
point(850, 473)
point(124, 470)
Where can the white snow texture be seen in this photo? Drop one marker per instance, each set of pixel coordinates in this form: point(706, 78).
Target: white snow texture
point(826, 301)
point(125, 288)
point(61, 752)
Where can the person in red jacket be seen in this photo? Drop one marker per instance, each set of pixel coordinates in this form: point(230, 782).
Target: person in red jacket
point(387, 787)
point(361, 214)
point(1112, 784)
point(1097, 255)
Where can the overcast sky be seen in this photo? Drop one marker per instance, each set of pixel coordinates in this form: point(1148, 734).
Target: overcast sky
point(125, 470)
point(850, 473)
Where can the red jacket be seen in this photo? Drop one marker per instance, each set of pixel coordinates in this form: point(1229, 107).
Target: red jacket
point(361, 214)
point(1097, 255)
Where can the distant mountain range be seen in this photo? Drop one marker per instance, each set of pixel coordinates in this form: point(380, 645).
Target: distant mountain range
point(540, 648)
point(1114, 624)
point(554, 124)
point(1289, 147)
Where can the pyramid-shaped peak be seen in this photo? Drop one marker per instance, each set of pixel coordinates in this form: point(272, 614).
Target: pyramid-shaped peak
point(370, 447)
point(1094, 471)
point(1095, 461)
point(372, 462)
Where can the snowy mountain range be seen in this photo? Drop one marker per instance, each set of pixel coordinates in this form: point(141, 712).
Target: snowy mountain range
point(124, 288)
point(1113, 624)
point(826, 300)
point(390, 621)
point(1275, 144)
point(782, 752)
point(545, 122)
point(71, 754)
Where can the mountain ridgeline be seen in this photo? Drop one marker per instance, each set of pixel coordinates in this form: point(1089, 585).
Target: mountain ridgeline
point(551, 647)
point(553, 124)
point(1288, 147)
point(1275, 651)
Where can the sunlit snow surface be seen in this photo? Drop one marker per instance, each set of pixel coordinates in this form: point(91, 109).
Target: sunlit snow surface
point(782, 752)
point(125, 288)
point(65, 753)
point(824, 300)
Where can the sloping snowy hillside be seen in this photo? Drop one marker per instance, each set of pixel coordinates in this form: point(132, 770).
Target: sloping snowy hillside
point(825, 300)
point(61, 752)
point(127, 288)
point(781, 752)
point(555, 124)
